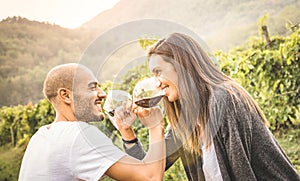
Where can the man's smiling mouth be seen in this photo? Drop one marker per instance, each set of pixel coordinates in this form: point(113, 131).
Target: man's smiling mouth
point(98, 103)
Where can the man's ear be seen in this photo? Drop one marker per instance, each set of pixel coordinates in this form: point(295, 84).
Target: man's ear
point(65, 95)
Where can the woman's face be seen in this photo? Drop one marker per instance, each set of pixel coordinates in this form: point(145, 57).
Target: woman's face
point(166, 74)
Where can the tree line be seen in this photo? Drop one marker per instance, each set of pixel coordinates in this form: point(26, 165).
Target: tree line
point(270, 75)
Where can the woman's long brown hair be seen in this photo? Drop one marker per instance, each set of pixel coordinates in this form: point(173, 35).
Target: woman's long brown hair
point(198, 77)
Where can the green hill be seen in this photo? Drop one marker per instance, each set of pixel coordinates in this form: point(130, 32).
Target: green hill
point(28, 49)
point(221, 24)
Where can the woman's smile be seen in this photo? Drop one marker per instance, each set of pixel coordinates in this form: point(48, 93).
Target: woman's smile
point(166, 74)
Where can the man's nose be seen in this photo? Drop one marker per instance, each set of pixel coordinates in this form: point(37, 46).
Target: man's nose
point(101, 93)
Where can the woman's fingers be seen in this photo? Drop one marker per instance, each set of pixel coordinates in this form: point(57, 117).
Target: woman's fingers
point(150, 117)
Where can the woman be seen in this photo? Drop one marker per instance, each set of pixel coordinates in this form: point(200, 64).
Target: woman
point(218, 128)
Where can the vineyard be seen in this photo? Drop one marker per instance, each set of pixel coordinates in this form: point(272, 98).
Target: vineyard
point(268, 71)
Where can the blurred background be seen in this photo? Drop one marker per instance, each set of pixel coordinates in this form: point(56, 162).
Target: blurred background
point(256, 42)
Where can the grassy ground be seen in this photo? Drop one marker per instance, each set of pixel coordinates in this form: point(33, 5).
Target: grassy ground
point(10, 161)
point(10, 158)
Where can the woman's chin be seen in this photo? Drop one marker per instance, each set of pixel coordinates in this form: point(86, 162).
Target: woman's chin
point(171, 98)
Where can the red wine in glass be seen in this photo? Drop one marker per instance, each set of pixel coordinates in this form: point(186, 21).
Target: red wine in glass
point(149, 102)
point(147, 92)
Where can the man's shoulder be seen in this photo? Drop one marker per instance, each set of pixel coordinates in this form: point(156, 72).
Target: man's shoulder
point(90, 132)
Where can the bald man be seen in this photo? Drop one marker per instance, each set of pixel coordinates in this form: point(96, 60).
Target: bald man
point(71, 149)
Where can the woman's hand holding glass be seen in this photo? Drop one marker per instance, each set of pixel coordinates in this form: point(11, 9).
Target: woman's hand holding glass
point(149, 117)
point(126, 115)
point(146, 95)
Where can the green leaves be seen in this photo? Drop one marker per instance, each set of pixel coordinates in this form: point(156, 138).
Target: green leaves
point(271, 76)
point(147, 41)
point(19, 123)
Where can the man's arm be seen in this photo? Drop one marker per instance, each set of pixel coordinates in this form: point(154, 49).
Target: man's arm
point(173, 146)
point(150, 168)
point(153, 165)
point(135, 148)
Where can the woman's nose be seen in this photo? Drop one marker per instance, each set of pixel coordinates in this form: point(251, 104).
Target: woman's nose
point(157, 82)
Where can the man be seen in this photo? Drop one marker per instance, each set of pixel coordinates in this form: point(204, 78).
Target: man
point(71, 149)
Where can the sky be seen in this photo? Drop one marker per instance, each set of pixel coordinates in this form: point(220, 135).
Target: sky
point(65, 13)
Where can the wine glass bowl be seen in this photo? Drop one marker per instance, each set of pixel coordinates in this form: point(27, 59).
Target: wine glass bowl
point(147, 93)
point(115, 99)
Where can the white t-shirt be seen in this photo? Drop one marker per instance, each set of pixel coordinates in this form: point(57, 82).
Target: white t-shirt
point(68, 151)
point(210, 165)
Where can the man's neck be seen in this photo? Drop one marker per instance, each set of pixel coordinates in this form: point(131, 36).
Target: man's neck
point(64, 117)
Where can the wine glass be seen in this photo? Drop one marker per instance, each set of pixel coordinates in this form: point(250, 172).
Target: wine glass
point(115, 100)
point(147, 93)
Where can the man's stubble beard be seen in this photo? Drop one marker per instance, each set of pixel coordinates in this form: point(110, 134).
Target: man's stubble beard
point(84, 110)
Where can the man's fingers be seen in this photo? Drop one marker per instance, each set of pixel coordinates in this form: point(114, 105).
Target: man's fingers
point(124, 113)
